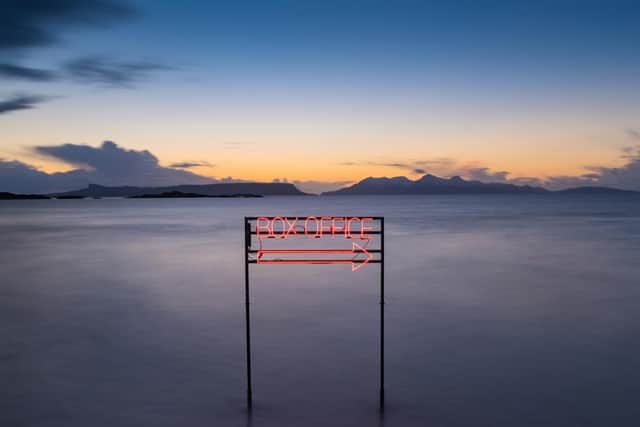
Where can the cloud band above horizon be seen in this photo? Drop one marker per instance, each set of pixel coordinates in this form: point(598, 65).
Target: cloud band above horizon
point(111, 165)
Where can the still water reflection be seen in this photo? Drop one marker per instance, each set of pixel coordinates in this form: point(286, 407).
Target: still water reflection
point(501, 311)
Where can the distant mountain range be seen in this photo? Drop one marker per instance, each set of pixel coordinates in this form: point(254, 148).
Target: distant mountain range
point(400, 185)
point(227, 189)
point(430, 184)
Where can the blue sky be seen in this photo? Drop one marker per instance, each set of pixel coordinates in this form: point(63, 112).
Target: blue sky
point(538, 89)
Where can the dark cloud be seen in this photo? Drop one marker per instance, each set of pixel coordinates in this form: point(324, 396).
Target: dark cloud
point(113, 165)
point(19, 177)
point(483, 174)
point(19, 72)
point(527, 180)
point(29, 23)
point(419, 171)
point(110, 72)
point(20, 102)
point(626, 177)
point(108, 164)
point(187, 165)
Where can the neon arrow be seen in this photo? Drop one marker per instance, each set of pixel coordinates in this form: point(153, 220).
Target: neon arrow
point(355, 249)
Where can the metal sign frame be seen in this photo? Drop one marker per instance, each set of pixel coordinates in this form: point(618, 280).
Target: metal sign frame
point(254, 256)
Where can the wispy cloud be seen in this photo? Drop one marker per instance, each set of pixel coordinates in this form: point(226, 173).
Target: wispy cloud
point(110, 72)
point(436, 166)
point(21, 102)
point(20, 72)
point(393, 165)
point(25, 25)
point(187, 165)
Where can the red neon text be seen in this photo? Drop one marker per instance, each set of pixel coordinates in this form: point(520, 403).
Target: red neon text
point(313, 228)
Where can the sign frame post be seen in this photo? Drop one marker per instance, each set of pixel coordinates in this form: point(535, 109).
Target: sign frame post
point(381, 400)
point(247, 245)
point(355, 266)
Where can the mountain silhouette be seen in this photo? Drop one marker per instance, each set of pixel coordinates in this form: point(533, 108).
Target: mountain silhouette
point(11, 196)
point(399, 185)
point(431, 184)
point(227, 189)
point(180, 195)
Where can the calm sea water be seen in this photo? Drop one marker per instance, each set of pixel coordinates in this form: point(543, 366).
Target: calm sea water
point(501, 311)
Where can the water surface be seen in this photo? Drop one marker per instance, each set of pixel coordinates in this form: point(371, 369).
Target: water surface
point(501, 311)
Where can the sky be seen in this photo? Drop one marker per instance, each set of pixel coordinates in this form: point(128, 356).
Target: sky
point(319, 93)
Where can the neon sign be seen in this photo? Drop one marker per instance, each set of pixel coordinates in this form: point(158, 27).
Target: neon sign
point(355, 264)
point(313, 227)
point(363, 229)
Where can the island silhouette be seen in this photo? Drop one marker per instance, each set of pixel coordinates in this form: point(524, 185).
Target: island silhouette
point(431, 184)
point(399, 185)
